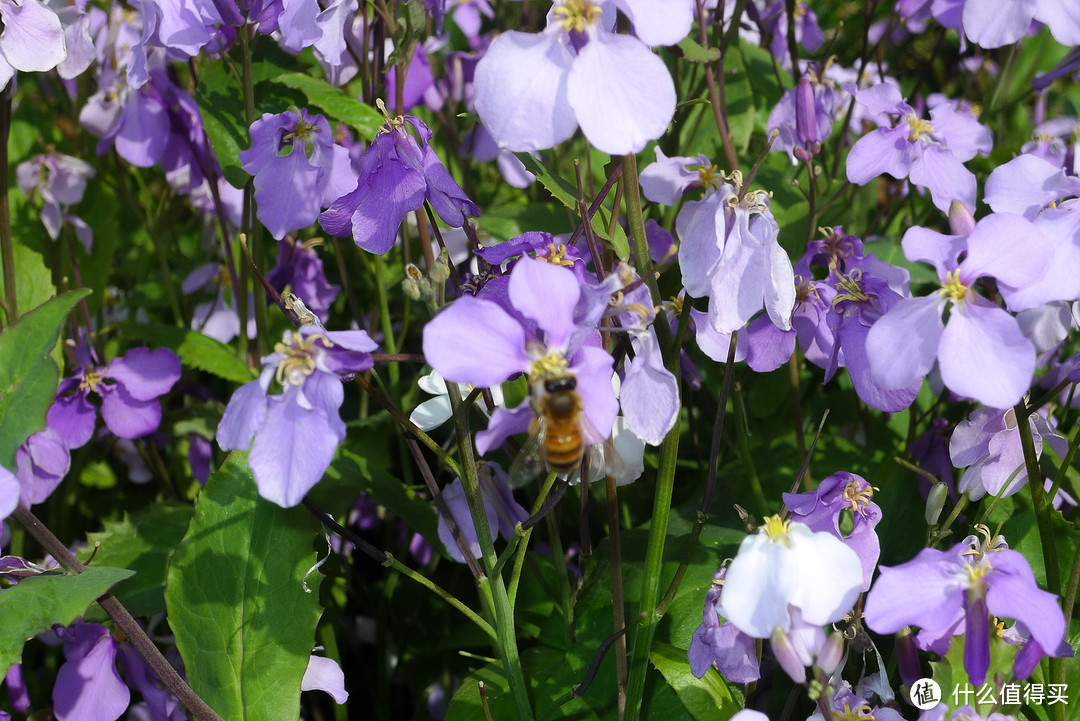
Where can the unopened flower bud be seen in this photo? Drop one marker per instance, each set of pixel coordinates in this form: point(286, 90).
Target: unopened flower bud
point(907, 657)
point(805, 113)
point(788, 656)
point(440, 271)
point(935, 501)
point(415, 285)
point(832, 653)
point(961, 222)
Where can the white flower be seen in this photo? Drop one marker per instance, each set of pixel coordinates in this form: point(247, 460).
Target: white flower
point(786, 564)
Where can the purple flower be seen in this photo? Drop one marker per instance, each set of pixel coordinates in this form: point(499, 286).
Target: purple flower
point(805, 114)
point(730, 252)
point(324, 674)
point(297, 432)
point(502, 511)
point(218, 318)
point(32, 41)
point(534, 89)
point(41, 463)
point(396, 175)
point(88, 686)
point(969, 582)
point(820, 510)
point(865, 290)
point(992, 25)
point(981, 352)
point(61, 181)
point(930, 153)
point(129, 388)
point(807, 31)
point(666, 180)
point(478, 342)
point(988, 446)
point(298, 169)
point(721, 644)
point(300, 269)
point(9, 493)
point(649, 394)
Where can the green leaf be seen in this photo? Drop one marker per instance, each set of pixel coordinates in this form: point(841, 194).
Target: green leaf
point(566, 194)
point(707, 698)
point(40, 602)
point(195, 349)
point(361, 117)
point(739, 102)
point(695, 53)
point(28, 375)
point(143, 543)
point(243, 622)
point(221, 102)
point(33, 284)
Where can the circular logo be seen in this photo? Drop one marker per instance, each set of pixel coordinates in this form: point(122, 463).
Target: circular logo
point(925, 694)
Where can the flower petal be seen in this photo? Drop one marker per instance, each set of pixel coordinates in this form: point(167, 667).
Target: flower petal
point(984, 355)
point(475, 341)
point(902, 345)
point(547, 294)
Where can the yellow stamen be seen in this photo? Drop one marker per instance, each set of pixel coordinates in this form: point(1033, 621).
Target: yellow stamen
point(858, 497)
point(954, 288)
point(862, 712)
point(92, 378)
point(776, 527)
point(299, 358)
point(851, 287)
point(710, 177)
point(551, 365)
point(557, 255)
point(919, 127)
point(576, 15)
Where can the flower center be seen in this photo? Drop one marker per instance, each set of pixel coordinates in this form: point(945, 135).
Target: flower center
point(858, 495)
point(859, 713)
point(710, 177)
point(776, 528)
point(298, 358)
point(549, 365)
point(953, 288)
point(919, 127)
point(850, 290)
point(576, 15)
point(556, 255)
point(92, 378)
point(756, 201)
point(835, 246)
point(803, 290)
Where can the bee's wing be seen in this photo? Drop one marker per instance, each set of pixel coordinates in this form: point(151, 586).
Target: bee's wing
point(600, 458)
point(529, 463)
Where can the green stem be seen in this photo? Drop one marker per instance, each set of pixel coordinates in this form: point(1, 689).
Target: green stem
point(743, 436)
point(7, 242)
point(1063, 471)
point(258, 255)
point(943, 531)
point(519, 555)
point(641, 643)
point(385, 321)
point(427, 583)
point(495, 588)
point(642, 260)
point(1038, 501)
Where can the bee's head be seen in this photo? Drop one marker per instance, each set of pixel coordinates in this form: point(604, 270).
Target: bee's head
point(560, 383)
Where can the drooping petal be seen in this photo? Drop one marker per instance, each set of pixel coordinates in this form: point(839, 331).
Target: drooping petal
point(126, 416)
point(504, 422)
point(454, 496)
point(472, 329)
point(324, 674)
point(649, 393)
point(546, 293)
point(983, 354)
point(521, 94)
point(621, 92)
point(702, 227)
point(33, 39)
point(939, 171)
point(903, 344)
point(923, 592)
point(88, 688)
point(886, 150)
point(767, 347)
point(145, 374)
point(830, 575)
point(1013, 593)
point(293, 448)
point(143, 135)
point(243, 416)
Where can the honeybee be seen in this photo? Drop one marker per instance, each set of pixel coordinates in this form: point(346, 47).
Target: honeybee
point(561, 438)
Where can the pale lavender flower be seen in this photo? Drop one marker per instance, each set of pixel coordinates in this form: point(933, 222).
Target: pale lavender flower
point(503, 513)
point(730, 252)
point(930, 153)
point(988, 445)
point(668, 179)
point(981, 352)
point(967, 583)
point(534, 90)
point(88, 686)
point(60, 180)
point(32, 40)
point(297, 432)
point(298, 169)
point(992, 25)
point(41, 463)
point(324, 674)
